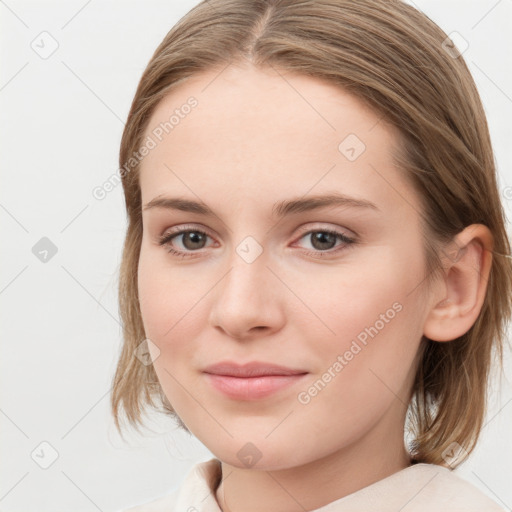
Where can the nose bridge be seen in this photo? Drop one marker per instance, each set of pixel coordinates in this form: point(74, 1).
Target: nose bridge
point(245, 298)
point(247, 257)
point(248, 275)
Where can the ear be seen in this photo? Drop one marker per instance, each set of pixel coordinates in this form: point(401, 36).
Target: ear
point(467, 266)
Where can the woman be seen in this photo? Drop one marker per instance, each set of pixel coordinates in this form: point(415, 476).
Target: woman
point(316, 257)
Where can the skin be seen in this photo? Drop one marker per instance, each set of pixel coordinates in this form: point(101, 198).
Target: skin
point(255, 138)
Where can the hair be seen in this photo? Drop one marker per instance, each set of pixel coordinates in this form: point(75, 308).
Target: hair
point(391, 57)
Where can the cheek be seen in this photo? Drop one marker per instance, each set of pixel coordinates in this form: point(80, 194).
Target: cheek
point(172, 307)
point(365, 371)
point(353, 297)
point(374, 321)
point(163, 293)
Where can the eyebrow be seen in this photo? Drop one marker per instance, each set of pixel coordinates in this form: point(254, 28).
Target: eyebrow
point(280, 209)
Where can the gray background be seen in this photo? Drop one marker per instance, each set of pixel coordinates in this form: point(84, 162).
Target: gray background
point(61, 123)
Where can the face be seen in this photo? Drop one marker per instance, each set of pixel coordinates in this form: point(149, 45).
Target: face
point(265, 270)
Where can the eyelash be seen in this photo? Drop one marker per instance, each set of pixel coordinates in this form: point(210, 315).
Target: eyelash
point(165, 239)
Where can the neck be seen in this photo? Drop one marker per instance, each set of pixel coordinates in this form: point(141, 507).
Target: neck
point(313, 484)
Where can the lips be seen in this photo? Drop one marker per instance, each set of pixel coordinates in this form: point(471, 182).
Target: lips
point(251, 369)
point(251, 381)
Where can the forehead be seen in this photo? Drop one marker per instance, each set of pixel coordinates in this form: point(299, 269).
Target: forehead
point(268, 131)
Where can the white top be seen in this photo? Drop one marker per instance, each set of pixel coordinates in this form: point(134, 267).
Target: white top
point(417, 488)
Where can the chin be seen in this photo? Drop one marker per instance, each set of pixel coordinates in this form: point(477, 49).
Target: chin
point(261, 456)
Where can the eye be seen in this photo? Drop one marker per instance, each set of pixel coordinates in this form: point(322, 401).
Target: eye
point(323, 240)
point(191, 239)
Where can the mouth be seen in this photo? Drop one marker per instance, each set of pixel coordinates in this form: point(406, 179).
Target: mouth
point(251, 381)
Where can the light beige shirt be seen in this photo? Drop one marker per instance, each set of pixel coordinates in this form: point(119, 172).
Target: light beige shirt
point(417, 488)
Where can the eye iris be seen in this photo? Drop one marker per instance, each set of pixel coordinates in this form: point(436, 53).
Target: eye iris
point(195, 237)
point(321, 238)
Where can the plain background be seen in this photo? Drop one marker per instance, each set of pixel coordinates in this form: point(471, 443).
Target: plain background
point(61, 123)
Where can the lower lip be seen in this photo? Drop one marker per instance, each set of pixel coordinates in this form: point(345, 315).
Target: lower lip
point(252, 388)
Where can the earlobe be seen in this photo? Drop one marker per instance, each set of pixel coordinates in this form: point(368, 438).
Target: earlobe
point(467, 266)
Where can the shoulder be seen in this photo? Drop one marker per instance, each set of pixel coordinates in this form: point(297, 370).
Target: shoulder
point(418, 488)
point(438, 485)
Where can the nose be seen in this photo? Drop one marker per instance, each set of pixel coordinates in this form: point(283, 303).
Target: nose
point(248, 301)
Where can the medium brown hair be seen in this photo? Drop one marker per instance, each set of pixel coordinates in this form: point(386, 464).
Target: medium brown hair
point(397, 61)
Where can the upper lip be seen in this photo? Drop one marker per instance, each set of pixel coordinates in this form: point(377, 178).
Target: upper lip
point(251, 369)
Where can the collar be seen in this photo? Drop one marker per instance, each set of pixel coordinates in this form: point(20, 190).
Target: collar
point(417, 488)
